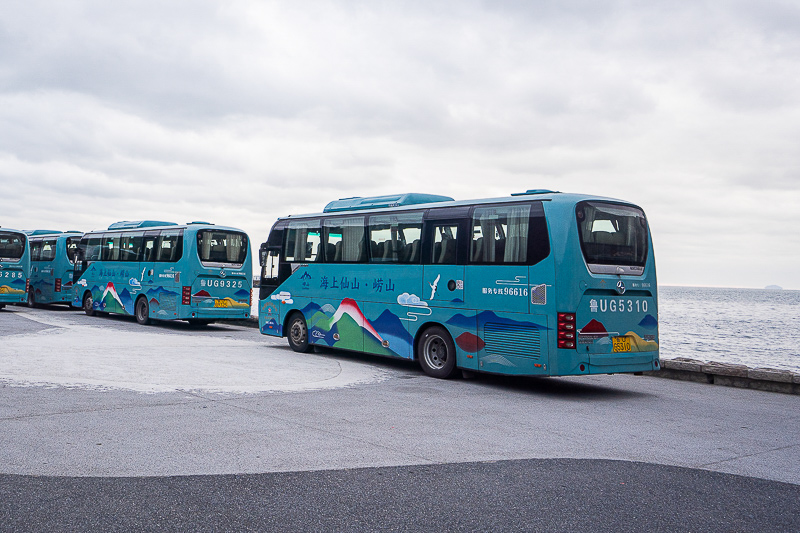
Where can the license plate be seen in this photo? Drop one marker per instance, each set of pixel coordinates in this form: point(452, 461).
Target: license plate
point(226, 303)
point(621, 344)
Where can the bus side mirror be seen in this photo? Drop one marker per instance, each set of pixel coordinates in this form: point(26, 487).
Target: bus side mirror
point(262, 254)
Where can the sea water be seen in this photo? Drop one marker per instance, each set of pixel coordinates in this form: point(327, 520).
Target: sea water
point(753, 327)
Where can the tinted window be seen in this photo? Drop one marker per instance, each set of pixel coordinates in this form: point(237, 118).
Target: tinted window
point(344, 240)
point(217, 246)
point(36, 250)
point(500, 234)
point(612, 234)
point(48, 250)
point(303, 240)
point(12, 245)
point(169, 247)
point(395, 238)
point(130, 246)
point(72, 248)
point(444, 244)
point(91, 247)
point(110, 247)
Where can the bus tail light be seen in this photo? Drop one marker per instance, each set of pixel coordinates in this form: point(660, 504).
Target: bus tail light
point(186, 296)
point(58, 284)
point(566, 331)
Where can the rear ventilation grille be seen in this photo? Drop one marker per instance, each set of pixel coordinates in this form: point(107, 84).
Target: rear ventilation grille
point(512, 340)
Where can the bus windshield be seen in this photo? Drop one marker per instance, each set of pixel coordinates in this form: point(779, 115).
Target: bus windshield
point(216, 246)
point(612, 234)
point(12, 245)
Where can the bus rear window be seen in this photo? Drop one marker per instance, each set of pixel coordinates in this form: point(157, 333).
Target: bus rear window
point(12, 245)
point(612, 236)
point(215, 246)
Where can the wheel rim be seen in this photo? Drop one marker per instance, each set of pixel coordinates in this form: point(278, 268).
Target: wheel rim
point(141, 314)
point(298, 331)
point(87, 303)
point(434, 350)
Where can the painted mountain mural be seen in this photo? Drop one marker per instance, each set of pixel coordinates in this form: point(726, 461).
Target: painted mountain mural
point(110, 301)
point(347, 328)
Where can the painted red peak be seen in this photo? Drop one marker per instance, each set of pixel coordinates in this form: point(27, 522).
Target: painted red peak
point(470, 342)
point(594, 327)
point(201, 293)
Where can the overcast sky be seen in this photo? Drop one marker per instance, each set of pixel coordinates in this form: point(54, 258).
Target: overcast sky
point(238, 112)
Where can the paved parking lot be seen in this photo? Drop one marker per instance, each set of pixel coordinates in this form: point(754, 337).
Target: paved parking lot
point(105, 422)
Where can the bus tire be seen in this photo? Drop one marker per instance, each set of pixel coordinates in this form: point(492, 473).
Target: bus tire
point(31, 299)
point(436, 353)
point(297, 333)
point(88, 304)
point(142, 311)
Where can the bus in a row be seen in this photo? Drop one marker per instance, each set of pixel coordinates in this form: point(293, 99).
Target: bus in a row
point(197, 272)
point(537, 283)
point(51, 267)
point(14, 266)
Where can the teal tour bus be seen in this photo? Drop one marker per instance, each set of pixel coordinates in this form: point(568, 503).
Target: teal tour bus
point(197, 272)
point(537, 283)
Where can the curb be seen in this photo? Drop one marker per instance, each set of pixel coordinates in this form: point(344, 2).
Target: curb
point(729, 375)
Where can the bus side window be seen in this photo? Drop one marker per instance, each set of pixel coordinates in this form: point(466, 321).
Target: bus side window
point(347, 237)
point(48, 250)
point(72, 248)
point(36, 250)
point(302, 241)
point(130, 247)
point(500, 234)
point(168, 248)
point(445, 244)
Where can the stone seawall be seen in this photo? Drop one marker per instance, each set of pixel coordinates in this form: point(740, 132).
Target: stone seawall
point(729, 375)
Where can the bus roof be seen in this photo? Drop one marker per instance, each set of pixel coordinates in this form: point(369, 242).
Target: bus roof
point(369, 206)
point(130, 225)
point(136, 224)
point(391, 200)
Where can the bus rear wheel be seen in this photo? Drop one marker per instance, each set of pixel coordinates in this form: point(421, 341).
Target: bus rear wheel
point(436, 353)
point(298, 333)
point(88, 304)
point(142, 311)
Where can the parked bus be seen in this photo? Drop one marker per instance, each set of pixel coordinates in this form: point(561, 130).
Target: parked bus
point(538, 283)
point(161, 270)
point(52, 264)
point(14, 266)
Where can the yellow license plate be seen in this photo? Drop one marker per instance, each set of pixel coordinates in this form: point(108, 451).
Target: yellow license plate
point(221, 303)
point(621, 344)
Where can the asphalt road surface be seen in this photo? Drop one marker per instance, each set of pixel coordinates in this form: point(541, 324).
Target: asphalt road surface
point(107, 425)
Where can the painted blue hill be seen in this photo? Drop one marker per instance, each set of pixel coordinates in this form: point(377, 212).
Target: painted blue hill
point(127, 300)
point(159, 291)
point(18, 284)
point(469, 323)
point(389, 325)
point(649, 322)
point(242, 293)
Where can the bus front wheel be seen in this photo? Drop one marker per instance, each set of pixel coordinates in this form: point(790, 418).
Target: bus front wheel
point(437, 353)
point(298, 333)
point(31, 299)
point(88, 304)
point(142, 311)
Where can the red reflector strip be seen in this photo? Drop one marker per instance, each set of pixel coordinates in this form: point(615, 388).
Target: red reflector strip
point(186, 296)
point(58, 285)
